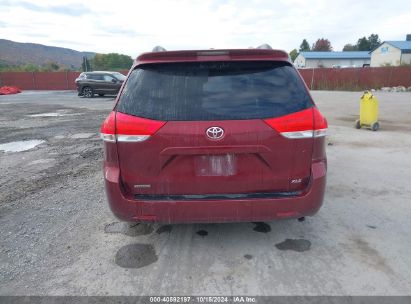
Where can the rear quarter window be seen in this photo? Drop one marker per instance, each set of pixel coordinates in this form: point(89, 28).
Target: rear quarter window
point(213, 91)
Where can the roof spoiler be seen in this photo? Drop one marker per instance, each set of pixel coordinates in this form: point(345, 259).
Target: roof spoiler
point(211, 55)
point(264, 46)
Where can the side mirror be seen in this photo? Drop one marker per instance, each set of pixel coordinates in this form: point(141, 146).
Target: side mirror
point(113, 80)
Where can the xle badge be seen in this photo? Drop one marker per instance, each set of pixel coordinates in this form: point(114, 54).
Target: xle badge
point(143, 186)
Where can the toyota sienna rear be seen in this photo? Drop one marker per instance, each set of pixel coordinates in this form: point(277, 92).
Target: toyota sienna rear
point(214, 136)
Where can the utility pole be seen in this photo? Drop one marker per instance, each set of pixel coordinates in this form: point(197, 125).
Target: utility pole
point(85, 63)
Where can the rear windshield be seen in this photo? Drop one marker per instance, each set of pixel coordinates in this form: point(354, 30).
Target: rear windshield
point(213, 91)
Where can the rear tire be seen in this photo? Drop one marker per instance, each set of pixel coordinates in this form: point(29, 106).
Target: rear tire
point(357, 124)
point(375, 126)
point(88, 92)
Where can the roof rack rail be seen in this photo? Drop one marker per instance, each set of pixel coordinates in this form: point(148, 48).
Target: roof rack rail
point(265, 46)
point(158, 49)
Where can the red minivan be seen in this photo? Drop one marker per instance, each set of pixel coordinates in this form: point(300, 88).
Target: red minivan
point(214, 136)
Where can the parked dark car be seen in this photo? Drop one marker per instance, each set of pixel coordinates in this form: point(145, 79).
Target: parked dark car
point(214, 136)
point(101, 83)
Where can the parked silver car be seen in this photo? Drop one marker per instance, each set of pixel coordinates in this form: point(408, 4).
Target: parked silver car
point(99, 82)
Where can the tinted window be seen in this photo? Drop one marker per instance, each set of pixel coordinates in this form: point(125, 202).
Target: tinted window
point(95, 77)
point(107, 78)
point(119, 76)
point(213, 91)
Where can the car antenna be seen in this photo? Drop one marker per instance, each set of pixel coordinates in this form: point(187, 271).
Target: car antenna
point(265, 46)
point(158, 49)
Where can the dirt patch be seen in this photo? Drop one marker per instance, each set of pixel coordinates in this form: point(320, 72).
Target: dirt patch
point(372, 257)
point(298, 245)
point(72, 159)
point(69, 165)
point(136, 256)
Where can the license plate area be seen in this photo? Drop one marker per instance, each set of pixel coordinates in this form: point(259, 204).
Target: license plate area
point(216, 165)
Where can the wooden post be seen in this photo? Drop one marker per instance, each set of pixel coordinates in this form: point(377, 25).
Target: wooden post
point(312, 80)
point(67, 84)
point(34, 80)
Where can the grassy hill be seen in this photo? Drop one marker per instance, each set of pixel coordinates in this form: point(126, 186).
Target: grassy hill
point(16, 53)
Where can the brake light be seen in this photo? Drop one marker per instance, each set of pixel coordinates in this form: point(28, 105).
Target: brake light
point(320, 124)
point(127, 128)
point(108, 129)
point(213, 53)
point(304, 124)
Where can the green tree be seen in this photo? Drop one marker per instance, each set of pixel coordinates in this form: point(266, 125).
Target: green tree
point(111, 61)
point(51, 66)
point(374, 41)
point(349, 48)
point(293, 54)
point(304, 46)
point(20, 68)
point(363, 44)
point(322, 45)
point(85, 65)
point(3, 66)
point(29, 67)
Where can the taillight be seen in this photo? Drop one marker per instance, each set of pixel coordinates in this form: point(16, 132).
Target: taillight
point(320, 124)
point(127, 128)
point(108, 129)
point(304, 124)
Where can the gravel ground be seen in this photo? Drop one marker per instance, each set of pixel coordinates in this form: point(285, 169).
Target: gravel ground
point(58, 236)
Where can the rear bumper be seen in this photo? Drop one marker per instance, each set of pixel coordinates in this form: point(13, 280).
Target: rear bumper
point(216, 210)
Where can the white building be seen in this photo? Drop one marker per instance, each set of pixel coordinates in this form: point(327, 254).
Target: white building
point(332, 59)
point(392, 53)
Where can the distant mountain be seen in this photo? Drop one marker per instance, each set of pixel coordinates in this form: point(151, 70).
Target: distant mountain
point(16, 53)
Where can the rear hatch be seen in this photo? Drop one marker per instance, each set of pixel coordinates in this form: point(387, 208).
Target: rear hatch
point(214, 128)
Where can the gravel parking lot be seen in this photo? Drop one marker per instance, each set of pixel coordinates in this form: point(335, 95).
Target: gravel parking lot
point(58, 236)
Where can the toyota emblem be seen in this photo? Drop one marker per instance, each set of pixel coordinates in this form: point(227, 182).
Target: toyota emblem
point(215, 133)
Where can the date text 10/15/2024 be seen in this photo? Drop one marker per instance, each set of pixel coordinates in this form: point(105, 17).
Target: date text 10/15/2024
point(203, 299)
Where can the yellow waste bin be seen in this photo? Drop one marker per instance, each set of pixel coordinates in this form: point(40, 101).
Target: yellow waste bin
point(368, 112)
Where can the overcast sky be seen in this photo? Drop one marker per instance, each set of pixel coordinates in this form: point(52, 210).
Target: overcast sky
point(133, 27)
